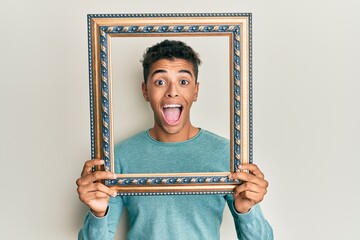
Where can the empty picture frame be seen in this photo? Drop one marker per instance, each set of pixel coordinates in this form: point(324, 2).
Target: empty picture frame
point(232, 28)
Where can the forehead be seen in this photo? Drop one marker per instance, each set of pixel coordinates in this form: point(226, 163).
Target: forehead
point(175, 65)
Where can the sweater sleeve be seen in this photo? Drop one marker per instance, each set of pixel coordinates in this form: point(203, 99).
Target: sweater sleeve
point(103, 228)
point(251, 225)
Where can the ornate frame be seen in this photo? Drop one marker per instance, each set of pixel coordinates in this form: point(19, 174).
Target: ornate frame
point(236, 27)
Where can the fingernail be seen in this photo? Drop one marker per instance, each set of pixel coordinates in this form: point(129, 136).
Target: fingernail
point(229, 176)
point(114, 194)
point(240, 166)
point(102, 162)
point(115, 175)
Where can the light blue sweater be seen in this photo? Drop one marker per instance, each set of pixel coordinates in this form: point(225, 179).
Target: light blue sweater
point(177, 217)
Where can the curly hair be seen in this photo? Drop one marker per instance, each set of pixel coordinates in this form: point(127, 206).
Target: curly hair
point(169, 49)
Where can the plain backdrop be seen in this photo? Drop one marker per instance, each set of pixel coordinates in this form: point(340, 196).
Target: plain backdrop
point(306, 113)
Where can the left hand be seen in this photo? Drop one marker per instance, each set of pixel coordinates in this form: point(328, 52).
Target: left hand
point(252, 190)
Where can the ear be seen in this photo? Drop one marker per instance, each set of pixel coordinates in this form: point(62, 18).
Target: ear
point(196, 91)
point(144, 91)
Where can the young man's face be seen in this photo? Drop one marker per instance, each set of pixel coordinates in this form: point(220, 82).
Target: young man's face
point(171, 89)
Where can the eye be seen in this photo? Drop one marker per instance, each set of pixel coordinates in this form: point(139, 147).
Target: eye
point(184, 82)
point(160, 82)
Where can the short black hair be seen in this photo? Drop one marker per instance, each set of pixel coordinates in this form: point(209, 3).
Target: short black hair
point(169, 49)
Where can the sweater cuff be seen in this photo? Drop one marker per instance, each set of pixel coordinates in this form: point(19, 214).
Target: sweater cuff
point(97, 222)
point(244, 217)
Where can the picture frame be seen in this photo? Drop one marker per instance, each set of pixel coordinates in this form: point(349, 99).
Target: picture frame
point(236, 29)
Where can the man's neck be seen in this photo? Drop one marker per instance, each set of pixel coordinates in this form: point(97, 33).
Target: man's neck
point(185, 134)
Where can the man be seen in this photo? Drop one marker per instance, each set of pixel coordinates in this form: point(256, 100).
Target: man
point(173, 144)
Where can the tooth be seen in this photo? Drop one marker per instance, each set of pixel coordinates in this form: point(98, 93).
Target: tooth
point(172, 105)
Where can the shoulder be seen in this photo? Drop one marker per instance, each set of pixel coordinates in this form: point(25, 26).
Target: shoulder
point(213, 137)
point(214, 141)
point(214, 144)
point(134, 140)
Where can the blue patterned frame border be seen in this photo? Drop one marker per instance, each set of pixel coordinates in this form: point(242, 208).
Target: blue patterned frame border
point(100, 27)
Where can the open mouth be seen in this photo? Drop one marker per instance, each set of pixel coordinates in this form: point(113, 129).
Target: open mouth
point(172, 113)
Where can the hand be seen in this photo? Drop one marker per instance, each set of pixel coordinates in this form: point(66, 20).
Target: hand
point(252, 190)
point(95, 194)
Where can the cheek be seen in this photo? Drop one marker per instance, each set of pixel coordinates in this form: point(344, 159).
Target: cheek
point(190, 96)
point(153, 100)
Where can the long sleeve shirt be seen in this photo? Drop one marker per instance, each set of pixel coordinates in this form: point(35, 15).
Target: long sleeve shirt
point(174, 217)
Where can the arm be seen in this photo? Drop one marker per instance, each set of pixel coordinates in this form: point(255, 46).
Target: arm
point(102, 228)
point(251, 225)
point(104, 214)
point(249, 220)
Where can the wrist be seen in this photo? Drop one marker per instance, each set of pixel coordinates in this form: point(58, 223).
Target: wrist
point(99, 214)
point(240, 208)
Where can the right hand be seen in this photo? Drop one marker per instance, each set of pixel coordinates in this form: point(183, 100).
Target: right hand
point(95, 194)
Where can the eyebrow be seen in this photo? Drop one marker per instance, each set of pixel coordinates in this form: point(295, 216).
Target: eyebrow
point(164, 71)
point(186, 71)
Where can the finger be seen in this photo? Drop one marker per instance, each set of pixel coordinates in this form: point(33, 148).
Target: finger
point(89, 197)
point(253, 168)
point(249, 187)
point(96, 187)
point(248, 177)
point(252, 196)
point(95, 176)
point(88, 166)
point(96, 195)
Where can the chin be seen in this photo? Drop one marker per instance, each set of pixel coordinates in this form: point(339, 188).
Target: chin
point(173, 130)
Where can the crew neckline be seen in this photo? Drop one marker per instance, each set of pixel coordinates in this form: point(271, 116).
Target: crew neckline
point(151, 139)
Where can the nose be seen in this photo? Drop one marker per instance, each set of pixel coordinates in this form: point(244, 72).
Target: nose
point(172, 91)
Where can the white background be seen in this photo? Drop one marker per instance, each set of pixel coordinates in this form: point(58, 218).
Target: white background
point(306, 113)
